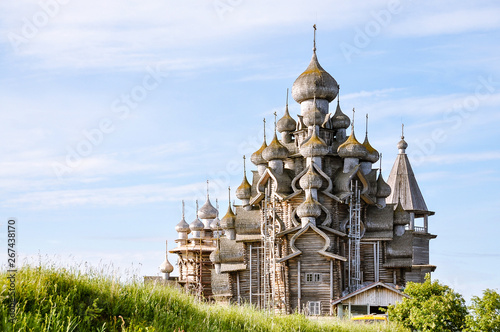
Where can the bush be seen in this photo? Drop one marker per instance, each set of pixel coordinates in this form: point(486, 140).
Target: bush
point(431, 307)
point(484, 312)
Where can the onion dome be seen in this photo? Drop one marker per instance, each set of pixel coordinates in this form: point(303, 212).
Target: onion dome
point(229, 220)
point(309, 208)
point(401, 217)
point(196, 225)
point(311, 179)
point(372, 155)
point(339, 119)
point(215, 224)
point(402, 145)
point(182, 226)
point(351, 148)
point(215, 256)
point(166, 267)
point(383, 189)
point(256, 157)
point(207, 211)
point(275, 150)
point(244, 191)
point(313, 116)
point(286, 123)
point(315, 146)
point(314, 82)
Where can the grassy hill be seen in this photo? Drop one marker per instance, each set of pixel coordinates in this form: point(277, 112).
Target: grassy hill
point(58, 299)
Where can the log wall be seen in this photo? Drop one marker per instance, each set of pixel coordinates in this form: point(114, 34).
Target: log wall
point(312, 262)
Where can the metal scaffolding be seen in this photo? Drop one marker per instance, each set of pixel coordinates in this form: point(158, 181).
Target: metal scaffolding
point(354, 263)
point(272, 293)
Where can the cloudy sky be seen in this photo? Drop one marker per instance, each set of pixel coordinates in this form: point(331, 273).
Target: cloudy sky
point(113, 112)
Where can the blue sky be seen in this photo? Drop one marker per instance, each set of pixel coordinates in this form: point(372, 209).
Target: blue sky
point(113, 112)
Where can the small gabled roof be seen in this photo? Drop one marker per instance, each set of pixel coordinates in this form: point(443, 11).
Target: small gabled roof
point(368, 287)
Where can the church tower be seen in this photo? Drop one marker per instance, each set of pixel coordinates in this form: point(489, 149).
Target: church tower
point(317, 225)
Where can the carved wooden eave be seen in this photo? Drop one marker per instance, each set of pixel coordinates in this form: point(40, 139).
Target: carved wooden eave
point(296, 251)
point(333, 231)
point(282, 183)
point(256, 199)
point(293, 195)
point(293, 218)
point(332, 196)
point(343, 182)
point(297, 178)
point(326, 177)
point(288, 231)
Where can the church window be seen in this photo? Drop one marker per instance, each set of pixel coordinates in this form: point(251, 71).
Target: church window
point(314, 308)
point(313, 277)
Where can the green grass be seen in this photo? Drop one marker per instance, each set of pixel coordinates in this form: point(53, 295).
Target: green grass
point(60, 299)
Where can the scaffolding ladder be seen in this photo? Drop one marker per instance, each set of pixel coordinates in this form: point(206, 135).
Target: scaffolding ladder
point(273, 283)
point(354, 262)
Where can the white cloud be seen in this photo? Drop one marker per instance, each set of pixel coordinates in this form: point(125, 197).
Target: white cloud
point(93, 33)
point(369, 94)
point(105, 197)
point(448, 20)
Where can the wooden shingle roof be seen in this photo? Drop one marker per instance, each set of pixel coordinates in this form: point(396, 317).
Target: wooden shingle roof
point(405, 187)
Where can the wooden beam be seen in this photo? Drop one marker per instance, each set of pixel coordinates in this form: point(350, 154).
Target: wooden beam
point(298, 289)
point(250, 273)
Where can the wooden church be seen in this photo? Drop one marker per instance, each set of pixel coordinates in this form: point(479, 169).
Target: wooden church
point(318, 230)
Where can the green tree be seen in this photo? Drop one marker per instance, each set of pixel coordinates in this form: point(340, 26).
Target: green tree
point(431, 307)
point(484, 312)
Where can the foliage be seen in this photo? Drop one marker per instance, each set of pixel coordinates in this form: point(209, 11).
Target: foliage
point(484, 312)
point(431, 307)
point(58, 299)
